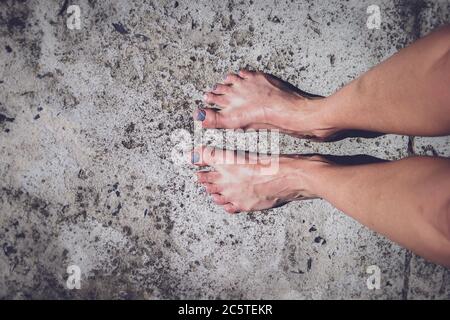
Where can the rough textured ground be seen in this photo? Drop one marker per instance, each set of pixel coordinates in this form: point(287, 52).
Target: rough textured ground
point(86, 175)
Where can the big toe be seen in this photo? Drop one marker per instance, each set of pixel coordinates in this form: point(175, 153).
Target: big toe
point(216, 119)
point(208, 156)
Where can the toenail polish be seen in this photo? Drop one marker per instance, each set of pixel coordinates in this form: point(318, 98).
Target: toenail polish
point(201, 115)
point(195, 157)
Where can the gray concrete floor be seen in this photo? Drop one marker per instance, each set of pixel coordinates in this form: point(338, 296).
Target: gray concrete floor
point(86, 176)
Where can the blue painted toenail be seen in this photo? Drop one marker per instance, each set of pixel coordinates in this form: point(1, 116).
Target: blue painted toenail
point(201, 115)
point(195, 157)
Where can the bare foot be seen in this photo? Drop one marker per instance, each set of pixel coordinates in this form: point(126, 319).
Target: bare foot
point(255, 100)
point(241, 182)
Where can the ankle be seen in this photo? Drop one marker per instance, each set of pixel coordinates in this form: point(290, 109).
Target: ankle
point(307, 172)
point(322, 121)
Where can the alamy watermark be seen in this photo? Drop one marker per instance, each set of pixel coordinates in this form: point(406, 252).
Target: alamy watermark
point(74, 278)
point(374, 19)
point(73, 21)
point(264, 145)
point(374, 280)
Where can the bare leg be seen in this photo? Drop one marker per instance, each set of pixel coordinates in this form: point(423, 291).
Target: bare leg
point(407, 94)
point(408, 200)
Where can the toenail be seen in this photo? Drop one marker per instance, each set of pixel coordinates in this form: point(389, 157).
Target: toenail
point(195, 157)
point(201, 115)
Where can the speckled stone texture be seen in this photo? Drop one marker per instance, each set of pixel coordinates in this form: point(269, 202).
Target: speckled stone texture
point(86, 174)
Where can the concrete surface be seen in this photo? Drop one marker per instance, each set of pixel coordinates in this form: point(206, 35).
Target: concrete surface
point(86, 176)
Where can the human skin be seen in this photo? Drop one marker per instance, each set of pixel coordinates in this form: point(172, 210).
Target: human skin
point(407, 200)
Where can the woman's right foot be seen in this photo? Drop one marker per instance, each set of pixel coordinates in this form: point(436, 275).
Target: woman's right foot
point(247, 182)
point(255, 100)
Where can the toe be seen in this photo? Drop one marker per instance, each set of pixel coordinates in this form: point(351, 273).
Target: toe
point(231, 208)
point(207, 176)
point(212, 188)
point(219, 199)
point(217, 99)
point(232, 78)
point(215, 119)
point(244, 73)
point(208, 156)
point(200, 115)
point(221, 89)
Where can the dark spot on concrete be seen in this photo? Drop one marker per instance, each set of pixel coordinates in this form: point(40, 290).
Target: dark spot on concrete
point(36, 117)
point(117, 211)
point(4, 118)
point(131, 144)
point(316, 30)
point(20, 235)
point(127, 230)
point(8, 49)
point(309, 264)
point(430, 148)
point(45, 75)
point(83, 214)
point(79, 197)
point(82, 174)
point(298, 271)
point(142, 37)
point(312, 229)
point(320, 240)
point(64, 7)
point(212, 48)
point(310, 18)
point(16, 22)
point(410, 147)
point(120, 28)
point(114, 187)
point(8, 249)
point(275, 19)
point(130, 128)
point(332, 59)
